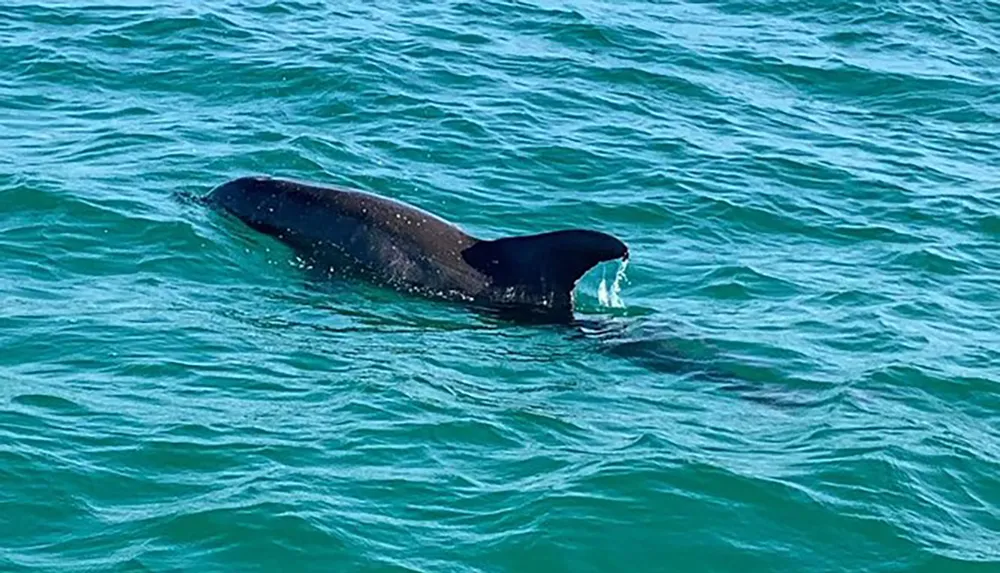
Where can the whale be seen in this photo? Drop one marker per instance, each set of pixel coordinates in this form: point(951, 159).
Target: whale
point(531, 278)
point(354, 233)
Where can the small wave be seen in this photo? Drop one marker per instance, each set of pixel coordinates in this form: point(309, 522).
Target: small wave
point(933, 261)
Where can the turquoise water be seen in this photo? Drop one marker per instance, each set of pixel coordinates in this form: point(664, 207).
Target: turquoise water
point(804, 375)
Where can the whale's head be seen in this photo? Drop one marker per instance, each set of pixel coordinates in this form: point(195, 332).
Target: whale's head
point(271, 206)
point(248, 198)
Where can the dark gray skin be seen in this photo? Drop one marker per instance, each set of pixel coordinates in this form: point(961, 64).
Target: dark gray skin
point(400, 246)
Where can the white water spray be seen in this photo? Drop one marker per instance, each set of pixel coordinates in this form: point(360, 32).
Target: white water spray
point(612, 297)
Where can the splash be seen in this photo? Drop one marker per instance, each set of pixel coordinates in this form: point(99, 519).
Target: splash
point(612, 297)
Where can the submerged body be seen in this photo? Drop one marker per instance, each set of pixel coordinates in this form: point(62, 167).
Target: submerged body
point(397, 245)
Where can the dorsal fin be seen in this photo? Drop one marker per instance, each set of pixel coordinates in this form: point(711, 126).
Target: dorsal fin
point(545, 264)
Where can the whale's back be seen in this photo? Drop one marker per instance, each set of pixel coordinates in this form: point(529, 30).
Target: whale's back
point(393, 243)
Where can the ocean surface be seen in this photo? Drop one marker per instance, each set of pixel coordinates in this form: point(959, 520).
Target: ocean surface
point(803, 373)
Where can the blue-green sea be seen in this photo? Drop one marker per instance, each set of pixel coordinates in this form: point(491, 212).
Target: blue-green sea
point(803, 374)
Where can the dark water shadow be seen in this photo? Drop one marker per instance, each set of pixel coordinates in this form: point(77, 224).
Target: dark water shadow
point(646, 341)
point(662, 348)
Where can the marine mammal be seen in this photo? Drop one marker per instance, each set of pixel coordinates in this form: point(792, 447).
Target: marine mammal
point(398, 245)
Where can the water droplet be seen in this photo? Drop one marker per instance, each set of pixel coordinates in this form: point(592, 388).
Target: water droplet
point(612, 297)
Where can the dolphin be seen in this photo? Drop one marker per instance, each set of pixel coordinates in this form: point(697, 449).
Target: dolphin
point(393, 244)
point(529, 278)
